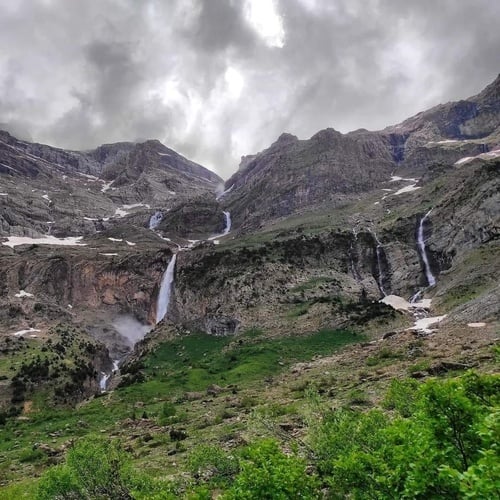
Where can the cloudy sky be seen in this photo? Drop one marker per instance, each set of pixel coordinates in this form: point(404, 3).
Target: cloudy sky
point(217, 79)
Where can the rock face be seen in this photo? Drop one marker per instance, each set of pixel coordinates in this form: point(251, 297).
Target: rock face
point(195, 219)
point(330, 167)
point(47, 190)
point(294, 174)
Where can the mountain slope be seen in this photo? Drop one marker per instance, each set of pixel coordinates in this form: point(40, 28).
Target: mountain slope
point(47, 190)
point(330, 167)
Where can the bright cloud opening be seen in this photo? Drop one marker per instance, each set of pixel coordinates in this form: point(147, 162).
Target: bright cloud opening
point(263, 16)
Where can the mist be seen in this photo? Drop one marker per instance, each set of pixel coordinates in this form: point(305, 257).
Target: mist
point(131, 329)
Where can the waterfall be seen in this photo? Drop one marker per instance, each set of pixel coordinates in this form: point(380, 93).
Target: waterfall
point(421, 245)
point(103, 382)
point(227, 229)
point(165, 290)
point(155, 220)
point(378, 251)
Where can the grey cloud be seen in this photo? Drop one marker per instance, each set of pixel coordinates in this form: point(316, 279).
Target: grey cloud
point(81, 73)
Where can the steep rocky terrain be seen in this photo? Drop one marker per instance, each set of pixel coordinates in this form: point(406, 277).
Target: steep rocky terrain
point(49, 191)
point(309, 234)
point(330, 167)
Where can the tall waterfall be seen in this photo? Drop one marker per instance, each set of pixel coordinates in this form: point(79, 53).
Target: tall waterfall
point(165, 290)
point(378, 251)
point(421, 245)
point(155, 220)
point(227, 229)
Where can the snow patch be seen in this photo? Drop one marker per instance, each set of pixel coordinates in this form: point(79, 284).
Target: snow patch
point(130, 243)
point(20, 333)
point(396, 178)
point(476, 325)
point(406, 189)
point(106, 186)
point(400, 304)
point(109, 254)
point(114, 239)
point(13, 241)
point(120, 213)
point(464, 160)
point(423, 324)
point(22, 293)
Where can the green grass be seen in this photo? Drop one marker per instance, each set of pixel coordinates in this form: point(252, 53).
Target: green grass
point(194, 362)
point(189, 363)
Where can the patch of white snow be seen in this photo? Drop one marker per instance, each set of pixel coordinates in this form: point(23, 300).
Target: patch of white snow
point(13, 241)
point(106, 186)
point(423, 324)
point(20, 333)
point(406, 189)
point(396, 178)
point(22, 293)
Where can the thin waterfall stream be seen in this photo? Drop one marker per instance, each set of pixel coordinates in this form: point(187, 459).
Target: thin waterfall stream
point(431, 280)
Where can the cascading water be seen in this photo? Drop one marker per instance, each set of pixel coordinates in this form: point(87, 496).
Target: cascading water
point(378, 251)
point(103, 382)
point(155, 220)
point(227, 229)
point(165, 290)
point(431, 280)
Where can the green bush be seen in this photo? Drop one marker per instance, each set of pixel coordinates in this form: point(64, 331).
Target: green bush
point(444, 444)
point(267, 473)
point(211, 463)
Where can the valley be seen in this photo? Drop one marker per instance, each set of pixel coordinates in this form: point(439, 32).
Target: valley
point(188, 319)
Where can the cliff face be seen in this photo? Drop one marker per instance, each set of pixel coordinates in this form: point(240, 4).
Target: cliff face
point(47, 190)
point(294, 174)
point(262, 281)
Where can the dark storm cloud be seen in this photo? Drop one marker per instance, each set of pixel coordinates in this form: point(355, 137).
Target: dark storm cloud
point(213, 82)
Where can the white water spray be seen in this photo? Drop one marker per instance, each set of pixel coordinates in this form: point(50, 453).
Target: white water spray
point(421, 245)
point(155, 220)
point(165, 290)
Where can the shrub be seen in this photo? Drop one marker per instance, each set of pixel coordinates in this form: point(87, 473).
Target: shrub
point(212, 463)
point(267, 473)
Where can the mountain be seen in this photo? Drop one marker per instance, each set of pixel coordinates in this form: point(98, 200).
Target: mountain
point(52, 191)
point(330, 167)
point(342, 271)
